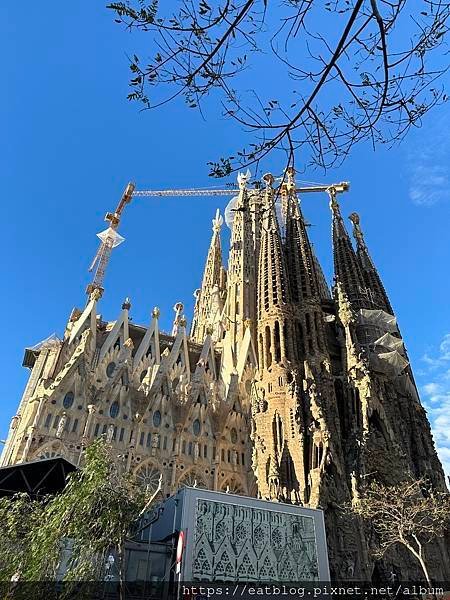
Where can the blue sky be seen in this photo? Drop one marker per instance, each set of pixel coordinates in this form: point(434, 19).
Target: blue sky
point(70, 144)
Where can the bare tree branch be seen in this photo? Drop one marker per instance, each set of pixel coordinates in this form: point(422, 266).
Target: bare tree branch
point(372, 79)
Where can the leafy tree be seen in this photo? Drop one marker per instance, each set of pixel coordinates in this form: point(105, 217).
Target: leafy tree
point(349, 70)
point(19, 516)
point(410, 514)
point(93, 515)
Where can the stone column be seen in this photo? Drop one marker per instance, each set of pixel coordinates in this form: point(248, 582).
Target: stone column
point(92, 409)
point(32, 428)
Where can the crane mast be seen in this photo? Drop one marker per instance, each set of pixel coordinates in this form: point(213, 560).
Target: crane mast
point(109, 238)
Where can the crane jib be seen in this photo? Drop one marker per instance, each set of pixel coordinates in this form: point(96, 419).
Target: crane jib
point(110, 238)
point(337, 187)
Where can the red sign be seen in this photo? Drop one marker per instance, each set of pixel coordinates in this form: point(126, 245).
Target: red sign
point(180, 547)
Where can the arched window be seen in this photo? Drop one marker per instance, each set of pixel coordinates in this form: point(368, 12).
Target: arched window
point(268, 360)
point(300, 339)
point(196, 427)
point(317, 454)
point(276, 336)
point(156, 418)
point(110, 369)
point(318, 330)
point(342, 412)
point(233, 435)
point(286, 337)
point(68, 399)
point(261, 350)
point(308, 323)
point(114, 410)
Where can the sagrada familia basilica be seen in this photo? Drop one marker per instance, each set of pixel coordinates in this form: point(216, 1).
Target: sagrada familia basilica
point(281, 388)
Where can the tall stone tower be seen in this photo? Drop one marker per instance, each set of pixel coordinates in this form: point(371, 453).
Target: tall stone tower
point(284, 389)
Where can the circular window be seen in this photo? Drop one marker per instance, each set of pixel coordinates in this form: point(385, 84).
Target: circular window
point(193, 479)
point(156, 418)
point(110, 369)
point(148, 477)
point(114, 410)
point(233, 436)
point(196, 427)
point(49, 454)
point(68, 400)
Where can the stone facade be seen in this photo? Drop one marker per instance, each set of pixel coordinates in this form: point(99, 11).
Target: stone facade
point(280, 390)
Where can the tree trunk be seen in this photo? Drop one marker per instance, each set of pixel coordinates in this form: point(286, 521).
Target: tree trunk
point(425, 570)
point(419, 556)
point(120, 557)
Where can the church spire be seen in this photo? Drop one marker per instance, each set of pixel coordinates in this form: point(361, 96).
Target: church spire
point(305, 279)
point(272, 279)
point(373, 281)
point(275, 340)
point(206, 305)
point(240, 308)
point(347, 268)
point(302, 264)
point(279, 456)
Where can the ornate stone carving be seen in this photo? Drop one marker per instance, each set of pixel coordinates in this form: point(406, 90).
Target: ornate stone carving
point(61, 425)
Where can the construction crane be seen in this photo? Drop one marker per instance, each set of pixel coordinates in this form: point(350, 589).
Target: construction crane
point(338, 187)
point(110, 239)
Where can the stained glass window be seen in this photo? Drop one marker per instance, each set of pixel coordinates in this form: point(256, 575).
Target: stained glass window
point(110, 369)
point(68, 399)
point(156, 418)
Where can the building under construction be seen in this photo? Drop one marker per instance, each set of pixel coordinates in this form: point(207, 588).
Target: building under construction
point(281, 388)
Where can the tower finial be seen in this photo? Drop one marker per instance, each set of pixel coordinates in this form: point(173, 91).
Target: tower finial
point(357, 231)
point(268, 179)
point(217, 222)
point(290, 175)
point(334, 205)
point(243, 179)
point(178, 308)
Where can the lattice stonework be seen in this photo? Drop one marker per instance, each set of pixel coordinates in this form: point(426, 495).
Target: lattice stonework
point(240, 543)
point(193, 479)
point(148, 477)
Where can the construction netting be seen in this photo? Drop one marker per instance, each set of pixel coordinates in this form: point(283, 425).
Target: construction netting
point(388, 348)
point(395, 360)
point(389, 341)
point(378, 318)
